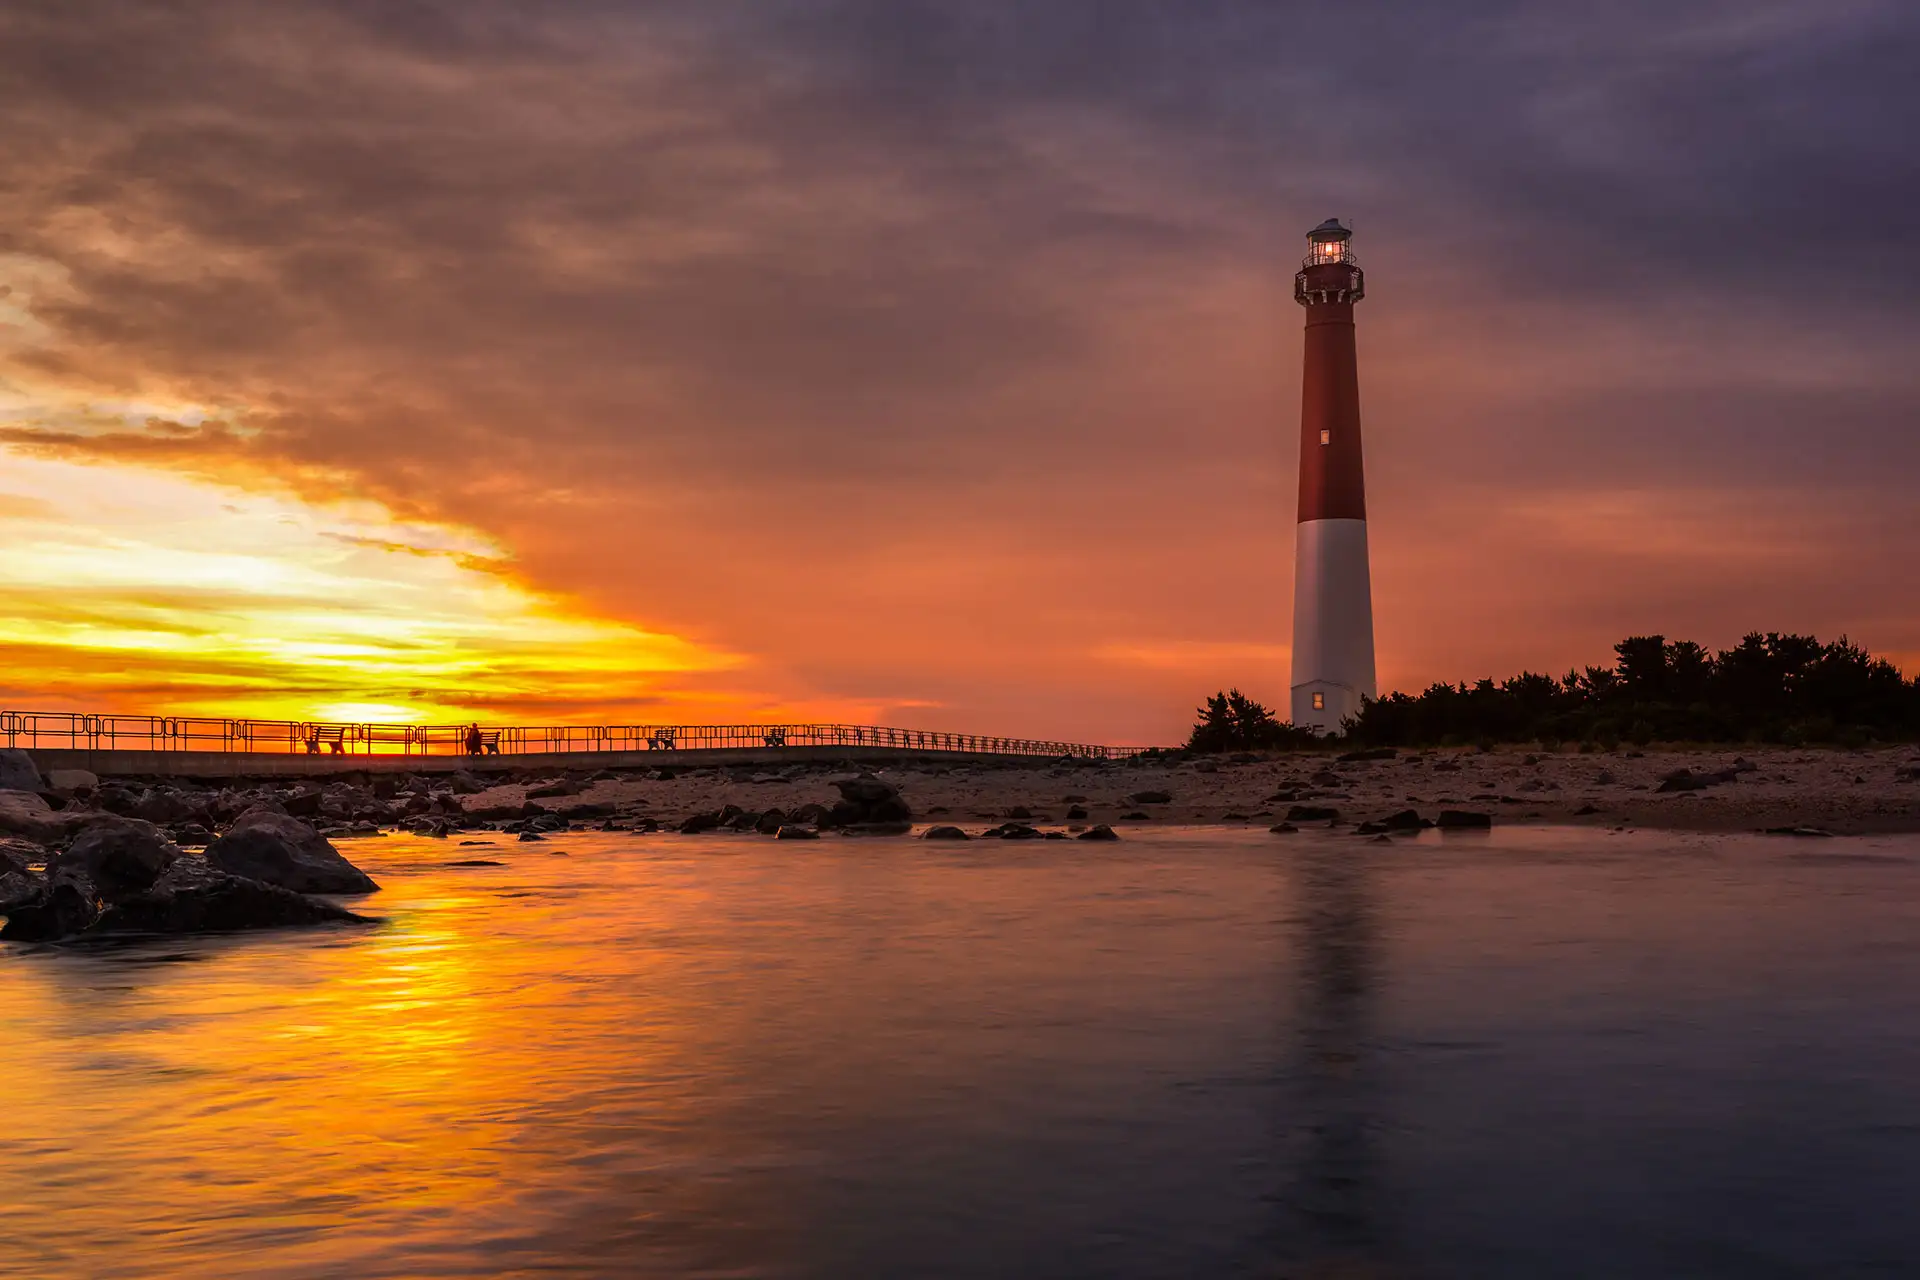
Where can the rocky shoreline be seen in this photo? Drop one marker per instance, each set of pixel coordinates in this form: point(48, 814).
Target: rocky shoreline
point(85, 856)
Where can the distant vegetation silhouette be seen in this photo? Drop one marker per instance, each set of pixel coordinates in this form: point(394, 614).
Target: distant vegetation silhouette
point(1231, 721)
point(1768, 688)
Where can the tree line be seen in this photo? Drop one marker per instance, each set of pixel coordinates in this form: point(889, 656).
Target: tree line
point(1774, 687)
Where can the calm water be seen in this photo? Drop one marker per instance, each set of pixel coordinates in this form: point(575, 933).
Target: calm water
point(1192, 1053)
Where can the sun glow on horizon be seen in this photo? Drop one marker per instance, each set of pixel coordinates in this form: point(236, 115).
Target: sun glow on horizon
point(142, 591)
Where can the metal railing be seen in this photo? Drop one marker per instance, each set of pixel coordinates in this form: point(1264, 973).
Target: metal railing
point(65, 730)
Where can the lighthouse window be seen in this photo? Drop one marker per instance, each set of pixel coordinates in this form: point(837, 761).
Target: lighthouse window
point(1319, 702)
point(1326, 436)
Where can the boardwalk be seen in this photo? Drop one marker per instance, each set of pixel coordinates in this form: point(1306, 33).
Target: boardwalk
point(187, 745)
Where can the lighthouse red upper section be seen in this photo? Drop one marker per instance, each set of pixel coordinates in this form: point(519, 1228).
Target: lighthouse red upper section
point(1332, 477)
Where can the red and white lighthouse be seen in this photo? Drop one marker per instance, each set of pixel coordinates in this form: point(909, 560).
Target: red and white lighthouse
point(1332, 589)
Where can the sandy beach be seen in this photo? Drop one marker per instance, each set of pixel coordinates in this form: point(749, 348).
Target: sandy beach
point(1843, 792)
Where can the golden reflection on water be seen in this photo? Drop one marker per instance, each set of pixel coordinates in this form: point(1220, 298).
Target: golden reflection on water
point(638, 1039)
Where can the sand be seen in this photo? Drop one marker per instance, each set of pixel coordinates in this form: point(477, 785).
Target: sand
point(1843, 792)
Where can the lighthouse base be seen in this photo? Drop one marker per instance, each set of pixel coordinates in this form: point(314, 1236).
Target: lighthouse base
point(1332, 623)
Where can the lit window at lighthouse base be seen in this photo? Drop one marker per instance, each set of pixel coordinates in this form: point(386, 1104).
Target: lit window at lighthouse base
point(1326, 437)
point(1319, 702)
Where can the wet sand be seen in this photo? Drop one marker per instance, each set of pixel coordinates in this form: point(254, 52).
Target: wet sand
point(1843, 792)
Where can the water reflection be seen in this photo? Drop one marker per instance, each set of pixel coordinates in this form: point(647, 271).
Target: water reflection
point(1336, 1198)
point(1194, 1053)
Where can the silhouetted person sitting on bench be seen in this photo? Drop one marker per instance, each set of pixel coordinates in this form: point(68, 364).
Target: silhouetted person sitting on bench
point(474, 741)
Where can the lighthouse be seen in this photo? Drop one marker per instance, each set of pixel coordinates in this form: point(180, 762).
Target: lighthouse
point(1332, 593)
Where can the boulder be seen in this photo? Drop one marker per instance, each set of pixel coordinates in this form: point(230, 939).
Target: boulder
point(1012, 831)
point(121, 856)
point(1076, 812)
point(945, 833)
point(700, 822)
point(17, 854)
point(792, 832)
point(1683, 780)
point(72, 779)
point(1464, 820)
point(553, 790)
point(193, 896)
point(1312, 813)
point(304, 804)
point(1150, 797)
point(277, 849)
point(164, 804)
point(866, 789)
point(1283, 829)
point(24, 813)
point(1101, 832)
point(18, 772)
point(869, 803)
point(62, 905)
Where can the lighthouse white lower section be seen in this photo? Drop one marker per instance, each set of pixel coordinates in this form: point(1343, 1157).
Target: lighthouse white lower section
point(1332, 622)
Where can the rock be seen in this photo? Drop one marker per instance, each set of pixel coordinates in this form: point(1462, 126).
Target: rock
point(72, 779)
point(866, 789)
point(1283, 829)
point(302, 804)
point(792, 832)
point(548, 790)
point(24, 813)
point(1076, 811)
point(1381, 839)
point(700, 822)
point(63, 905)
point(1604, 778)
point(1369, 753)
point(867, 801)
point(1073, 799)
point(1021, 812)
point(1101, 832)
point(18, 772)
point(1585, 810)
point(945, 833)
point(1150, 797)
point(1012, 831)
point(1683, 780)
point(121, 856)
point(770, 822)
point(1464, 820)
point(17, 854)
point(19, 888)
point(193, 896)
point(531, 835)
point(1136, 817)
point(585, 809)
point(1405, 820)
point(277, 849)
point(1327, 778)
point(1312, 813)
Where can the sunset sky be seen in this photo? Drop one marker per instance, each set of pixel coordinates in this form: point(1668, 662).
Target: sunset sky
point(930, 364)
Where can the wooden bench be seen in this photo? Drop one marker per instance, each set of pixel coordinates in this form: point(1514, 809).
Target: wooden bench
point(661, 740)
point(489, 743)
point(776, 737)
point(335, 736)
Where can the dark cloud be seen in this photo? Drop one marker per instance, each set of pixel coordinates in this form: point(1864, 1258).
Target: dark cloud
point(832, 289)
